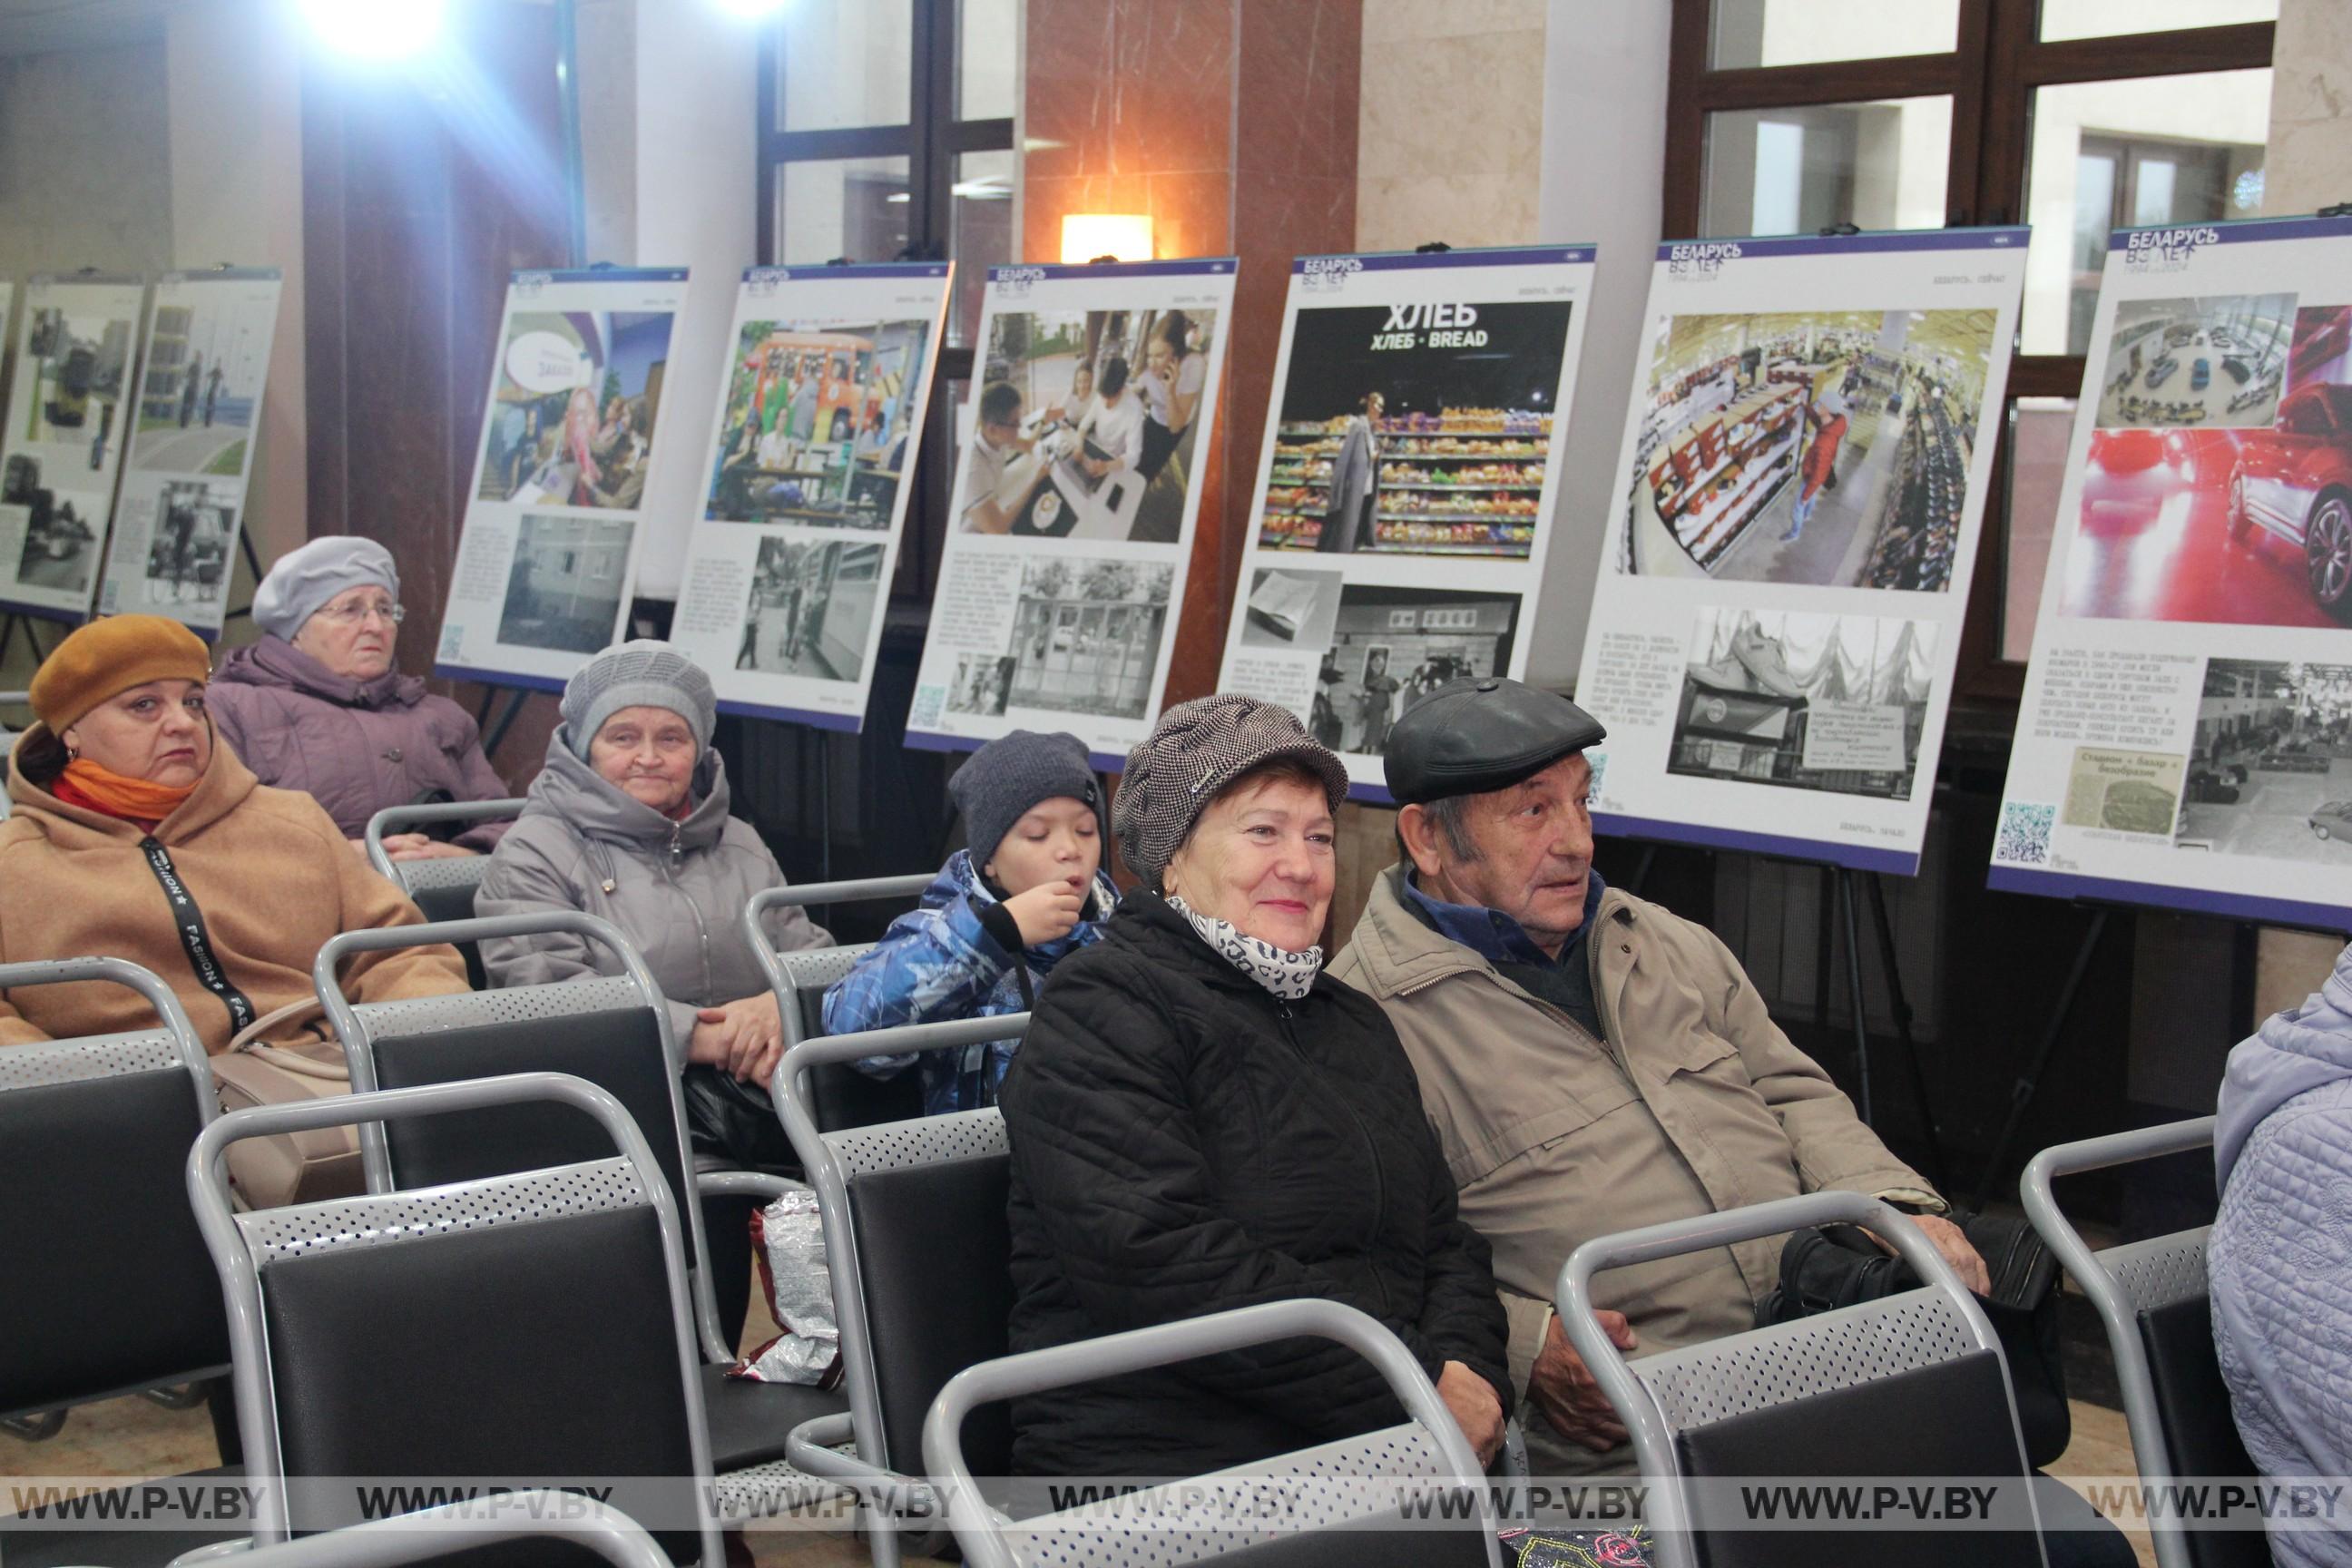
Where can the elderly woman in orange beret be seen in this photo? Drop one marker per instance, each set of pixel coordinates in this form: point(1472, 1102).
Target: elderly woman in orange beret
point(137, 834)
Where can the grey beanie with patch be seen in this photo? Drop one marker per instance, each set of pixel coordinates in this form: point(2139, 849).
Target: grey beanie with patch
point(641, 673)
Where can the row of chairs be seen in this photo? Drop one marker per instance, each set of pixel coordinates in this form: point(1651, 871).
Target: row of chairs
point(908, 1201)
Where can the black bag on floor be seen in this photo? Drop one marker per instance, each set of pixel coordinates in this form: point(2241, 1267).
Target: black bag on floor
point(1838, 1266)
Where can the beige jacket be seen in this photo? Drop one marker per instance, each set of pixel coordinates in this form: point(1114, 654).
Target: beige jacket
point(271, 873)
point(1696, 1103)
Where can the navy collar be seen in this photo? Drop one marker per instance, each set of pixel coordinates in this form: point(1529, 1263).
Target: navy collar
point(1494, 936)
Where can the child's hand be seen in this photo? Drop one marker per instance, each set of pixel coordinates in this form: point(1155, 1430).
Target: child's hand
point(1047, 912)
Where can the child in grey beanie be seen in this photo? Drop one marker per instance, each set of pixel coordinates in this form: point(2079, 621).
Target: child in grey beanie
point(1029, 892)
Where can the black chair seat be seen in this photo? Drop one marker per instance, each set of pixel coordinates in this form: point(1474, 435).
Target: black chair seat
point(32, 1544)
point(750, 1421)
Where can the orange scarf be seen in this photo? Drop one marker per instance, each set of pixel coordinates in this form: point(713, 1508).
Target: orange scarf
point(96, 788)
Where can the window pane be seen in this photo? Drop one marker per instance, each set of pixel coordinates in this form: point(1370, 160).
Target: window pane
point(982, 236)
point(2105, 18)
point(827, 207)
point(988, 36)
point(1801, 32)
point(844, 63)
point(2108, 156)
point(2039, 429)
point(1790, 170)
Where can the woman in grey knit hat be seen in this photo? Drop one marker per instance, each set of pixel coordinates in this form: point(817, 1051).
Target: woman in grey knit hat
point(628, 821)
point(1201, 1119)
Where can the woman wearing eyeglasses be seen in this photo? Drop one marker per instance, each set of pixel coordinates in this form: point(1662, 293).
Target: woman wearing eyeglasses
point(317, 706)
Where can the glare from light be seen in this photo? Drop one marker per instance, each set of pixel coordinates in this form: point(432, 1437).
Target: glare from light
point(1085, 236)
point(375, 29)
point(751, 10)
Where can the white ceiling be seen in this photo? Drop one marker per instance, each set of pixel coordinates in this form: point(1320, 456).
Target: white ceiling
point(39, 26)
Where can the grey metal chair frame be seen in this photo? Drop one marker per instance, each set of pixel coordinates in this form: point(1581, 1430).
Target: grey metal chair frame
point(356, 1026)
point(173, 1041)
point(830, 1158)
point(983, 1532)
point(436, 1534)
point(1634, 1388)
point(2123, 1281)
point(409, 876)
point(236, 1240)
point(784, 970)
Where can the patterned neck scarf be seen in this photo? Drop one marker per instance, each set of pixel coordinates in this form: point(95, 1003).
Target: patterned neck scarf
point(1288, 975)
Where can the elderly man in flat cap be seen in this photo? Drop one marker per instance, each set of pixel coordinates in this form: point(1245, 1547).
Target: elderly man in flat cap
point(1591, 1062)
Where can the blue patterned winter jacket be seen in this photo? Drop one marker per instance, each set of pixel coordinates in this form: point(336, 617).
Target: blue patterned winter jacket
point(937, 962)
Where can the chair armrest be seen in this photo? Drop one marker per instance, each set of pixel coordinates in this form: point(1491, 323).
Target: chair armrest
point(811, 1447)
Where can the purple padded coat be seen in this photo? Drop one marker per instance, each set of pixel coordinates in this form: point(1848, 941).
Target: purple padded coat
point(355, 747)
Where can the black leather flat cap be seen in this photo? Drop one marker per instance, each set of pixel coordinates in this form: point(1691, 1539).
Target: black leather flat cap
point(1485, 733)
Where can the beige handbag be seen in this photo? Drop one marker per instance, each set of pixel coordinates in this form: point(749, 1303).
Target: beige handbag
point(287, 1167)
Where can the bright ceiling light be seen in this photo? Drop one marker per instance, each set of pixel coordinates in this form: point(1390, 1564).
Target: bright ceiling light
point(375, 29)
point(751, 10)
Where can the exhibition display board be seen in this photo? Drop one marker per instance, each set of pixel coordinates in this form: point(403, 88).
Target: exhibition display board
point(1071, 520)
point(2185, 737)
point(194, 427)
point(76, 355)
point(570, 431)
point(1777, 610)
point(820, 416)
point(1405, 493)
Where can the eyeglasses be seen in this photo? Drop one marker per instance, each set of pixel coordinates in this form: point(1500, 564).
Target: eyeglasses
point(352, 615)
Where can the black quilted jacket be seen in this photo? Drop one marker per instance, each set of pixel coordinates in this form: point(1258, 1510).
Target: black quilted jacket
point(1183, 1143)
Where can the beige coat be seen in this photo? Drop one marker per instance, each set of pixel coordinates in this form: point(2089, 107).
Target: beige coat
point(1697, 1103)
point(268, 868)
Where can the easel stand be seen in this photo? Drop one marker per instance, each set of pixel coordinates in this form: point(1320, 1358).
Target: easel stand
point(2022, 1092)
point(252, 564)
point(495, 731)
point(8, 626)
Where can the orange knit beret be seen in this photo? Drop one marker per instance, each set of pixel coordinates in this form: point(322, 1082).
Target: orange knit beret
point(110, 656)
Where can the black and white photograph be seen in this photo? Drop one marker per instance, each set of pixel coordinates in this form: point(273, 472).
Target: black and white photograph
point(1392, 646)
point(60, 541)
point(1084, 424)
point(811, 606)
point(2270, 769)
point(1289, 608)
point(565, 591)
point(982, 684)
point(188, 555)
point(1087, 635)
point(1805, 701)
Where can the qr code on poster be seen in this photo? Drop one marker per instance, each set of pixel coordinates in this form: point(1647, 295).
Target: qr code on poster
point(2024, 837)
point(452, 640)
point(925, 712)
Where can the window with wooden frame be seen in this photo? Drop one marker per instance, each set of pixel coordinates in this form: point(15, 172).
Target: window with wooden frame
point(2075, 116)
point(885, 132)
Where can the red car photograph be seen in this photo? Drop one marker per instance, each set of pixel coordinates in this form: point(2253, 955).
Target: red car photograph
point(2243, 527)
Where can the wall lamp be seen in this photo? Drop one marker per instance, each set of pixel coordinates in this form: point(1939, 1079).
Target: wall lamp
point(1086, 235)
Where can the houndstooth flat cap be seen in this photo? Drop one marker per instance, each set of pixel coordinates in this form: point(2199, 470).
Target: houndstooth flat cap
point(1196, 750)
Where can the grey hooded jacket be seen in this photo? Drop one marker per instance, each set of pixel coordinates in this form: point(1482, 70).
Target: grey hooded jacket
point(2279, 1258)
point(675, 888)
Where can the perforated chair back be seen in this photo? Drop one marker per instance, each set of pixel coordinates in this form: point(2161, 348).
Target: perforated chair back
point(1911, 1385)
point(843, 1096)
point(105, 1287)
point(2153, 1302)
point(1333, 1506)
point(612, 1030)
point(443, 889)
point(533, 1325)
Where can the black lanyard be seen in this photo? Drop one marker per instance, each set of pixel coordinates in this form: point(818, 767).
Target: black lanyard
point(191, 923)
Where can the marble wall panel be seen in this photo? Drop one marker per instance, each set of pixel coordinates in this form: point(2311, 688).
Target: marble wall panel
point(2310, 162)
point(1449, 143)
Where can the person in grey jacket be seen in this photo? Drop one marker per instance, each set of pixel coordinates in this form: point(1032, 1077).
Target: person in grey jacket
point(1355, 485)
point(628, 821)
point(317, 705)
point(2279, 1260)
